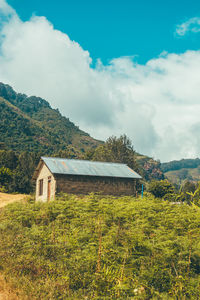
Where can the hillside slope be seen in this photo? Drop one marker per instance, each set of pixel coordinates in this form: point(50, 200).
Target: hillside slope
point(179, 170)
point(29, 123)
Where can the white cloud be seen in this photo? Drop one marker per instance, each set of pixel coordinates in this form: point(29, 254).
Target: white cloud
point(157, 104)
point(6, 11)
point(191, 25)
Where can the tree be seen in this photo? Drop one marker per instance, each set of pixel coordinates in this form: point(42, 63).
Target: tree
point(116, 150)
point(8, 159)
point(69, 152)
point(24, 172)
point(5, 178)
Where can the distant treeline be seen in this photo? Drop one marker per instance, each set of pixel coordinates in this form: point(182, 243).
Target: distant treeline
point(180, 164)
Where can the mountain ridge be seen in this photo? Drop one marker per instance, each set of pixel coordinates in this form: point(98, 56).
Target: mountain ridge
point(179, 170)
point(35, 126)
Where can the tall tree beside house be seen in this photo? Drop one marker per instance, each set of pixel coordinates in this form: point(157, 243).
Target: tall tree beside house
point(115, 150)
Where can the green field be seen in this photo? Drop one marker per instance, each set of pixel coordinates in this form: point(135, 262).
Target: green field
point(101, 248)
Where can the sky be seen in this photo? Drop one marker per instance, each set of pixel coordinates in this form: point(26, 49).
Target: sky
point(112, 67)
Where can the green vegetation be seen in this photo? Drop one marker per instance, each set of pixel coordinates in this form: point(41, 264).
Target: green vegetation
point(188, 192)
point(180, 164)
point(179, 176)
point(5, 179)
point(119, 150)
point(16, 171)
point(30, 124)
point(102, 248)
point(162, 189)
point(184, 169)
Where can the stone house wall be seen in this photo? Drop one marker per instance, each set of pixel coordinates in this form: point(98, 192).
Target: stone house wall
point(76, 184)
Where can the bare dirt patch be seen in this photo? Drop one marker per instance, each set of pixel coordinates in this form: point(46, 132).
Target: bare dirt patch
point(10, 198)
point(6, 292)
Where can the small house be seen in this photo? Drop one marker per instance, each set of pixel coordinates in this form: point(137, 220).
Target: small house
point(55, 175)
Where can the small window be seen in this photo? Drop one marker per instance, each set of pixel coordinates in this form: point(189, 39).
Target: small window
point(40, 187)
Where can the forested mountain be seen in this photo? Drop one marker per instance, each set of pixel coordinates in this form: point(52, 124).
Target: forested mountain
point(29, 123)
point(30, 128)
point(180, 170)
point(180, 164)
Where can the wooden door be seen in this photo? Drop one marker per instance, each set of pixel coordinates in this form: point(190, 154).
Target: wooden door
point(49, 188)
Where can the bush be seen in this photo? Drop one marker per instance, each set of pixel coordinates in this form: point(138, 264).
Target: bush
point(161, 188)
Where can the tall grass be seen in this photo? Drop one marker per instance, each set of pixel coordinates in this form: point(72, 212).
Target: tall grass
point(102, 248)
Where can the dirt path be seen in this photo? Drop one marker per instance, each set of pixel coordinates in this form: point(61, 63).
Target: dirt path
point(9, 198)
point(6, 292)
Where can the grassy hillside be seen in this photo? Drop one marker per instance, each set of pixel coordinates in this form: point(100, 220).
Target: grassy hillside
point(101, 248)
point(177, 176)
point(179, 170)
point(29, 123)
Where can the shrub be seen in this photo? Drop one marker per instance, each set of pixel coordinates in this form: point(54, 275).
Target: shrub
point(161, 188)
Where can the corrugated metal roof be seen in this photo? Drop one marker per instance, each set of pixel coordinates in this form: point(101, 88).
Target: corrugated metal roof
point(88, 168)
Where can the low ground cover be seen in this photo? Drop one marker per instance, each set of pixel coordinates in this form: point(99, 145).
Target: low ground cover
point(102, 248)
